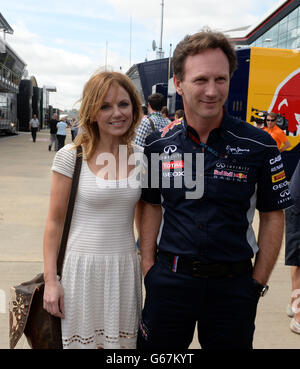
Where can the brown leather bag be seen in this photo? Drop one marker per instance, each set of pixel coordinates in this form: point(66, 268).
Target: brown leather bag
point(27, 315)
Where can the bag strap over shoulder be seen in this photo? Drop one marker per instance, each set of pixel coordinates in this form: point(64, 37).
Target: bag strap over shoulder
point(64, 239)
point(152, 124)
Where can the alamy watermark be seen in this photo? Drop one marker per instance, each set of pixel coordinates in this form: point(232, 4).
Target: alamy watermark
point(164, 167)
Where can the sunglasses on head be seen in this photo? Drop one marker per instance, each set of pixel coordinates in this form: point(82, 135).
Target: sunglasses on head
point(271, 120)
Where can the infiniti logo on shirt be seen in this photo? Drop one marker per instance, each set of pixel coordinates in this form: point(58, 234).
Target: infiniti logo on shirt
point(220, 165)
point(285, 193)
point(170, 149)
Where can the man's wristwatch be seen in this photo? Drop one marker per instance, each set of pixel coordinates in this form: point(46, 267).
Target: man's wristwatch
point(262, 289)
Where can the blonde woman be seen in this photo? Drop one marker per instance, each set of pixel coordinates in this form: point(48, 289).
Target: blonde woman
point(99, 295)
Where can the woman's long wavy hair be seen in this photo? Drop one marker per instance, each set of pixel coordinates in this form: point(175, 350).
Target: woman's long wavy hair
point(94, 93)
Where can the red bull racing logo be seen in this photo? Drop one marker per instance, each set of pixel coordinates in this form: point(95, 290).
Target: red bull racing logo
point(169, 127)
point(286, 101)
point(225, 173)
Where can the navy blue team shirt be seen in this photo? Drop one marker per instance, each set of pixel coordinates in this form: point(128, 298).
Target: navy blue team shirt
point(243, 171)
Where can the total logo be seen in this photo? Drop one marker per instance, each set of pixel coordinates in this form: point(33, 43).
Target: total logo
point(167, 165)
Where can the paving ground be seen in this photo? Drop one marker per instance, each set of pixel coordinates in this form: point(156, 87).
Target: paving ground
point(24, 195)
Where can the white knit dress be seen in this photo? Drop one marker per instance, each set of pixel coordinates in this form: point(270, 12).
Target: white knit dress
point(101, 273)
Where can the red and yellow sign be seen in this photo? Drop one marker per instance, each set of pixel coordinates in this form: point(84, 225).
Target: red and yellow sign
point(274, 85)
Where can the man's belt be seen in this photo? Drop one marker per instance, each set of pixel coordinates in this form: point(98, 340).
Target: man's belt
point(182, 264)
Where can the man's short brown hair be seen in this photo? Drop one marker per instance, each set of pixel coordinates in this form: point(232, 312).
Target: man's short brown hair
point(198, 42)
point(179, 113)
point(165, 110)
point(156, 101)
point(272, 115)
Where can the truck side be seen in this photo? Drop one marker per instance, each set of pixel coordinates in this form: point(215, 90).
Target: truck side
point(269, 80)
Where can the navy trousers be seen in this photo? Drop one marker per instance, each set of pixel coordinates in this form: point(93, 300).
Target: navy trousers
point(33, 133)
point(292, 236)
point(224, 308)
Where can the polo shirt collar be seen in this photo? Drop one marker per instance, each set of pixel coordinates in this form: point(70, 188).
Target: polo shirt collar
point(157, 113)
point(217, 132)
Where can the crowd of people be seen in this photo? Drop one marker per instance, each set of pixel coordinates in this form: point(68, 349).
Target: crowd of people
point(198, 255)
point(58, 130)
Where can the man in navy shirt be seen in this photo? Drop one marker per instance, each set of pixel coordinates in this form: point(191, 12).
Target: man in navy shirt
point(203, 179)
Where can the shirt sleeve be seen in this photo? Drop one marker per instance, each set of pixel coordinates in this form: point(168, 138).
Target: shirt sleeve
point(149, 194)
point(282, 137)
point(272, 187)
point(64, 161)
point(295, 186)
point(142, 132)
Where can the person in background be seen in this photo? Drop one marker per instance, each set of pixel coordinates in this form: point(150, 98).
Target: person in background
point(292, 250)
point(277, 134)
point(53, 129)
point(61, 133)
point(74, 128)
point(196, 239)
point(165, 113)
point(34, 126)
point(261, 124)
point(99, 297)
point(145, 111)
point(145, 115)
point(154, 121)
point(179, 114)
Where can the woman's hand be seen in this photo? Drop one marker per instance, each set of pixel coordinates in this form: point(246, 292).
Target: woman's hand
point(54, 299)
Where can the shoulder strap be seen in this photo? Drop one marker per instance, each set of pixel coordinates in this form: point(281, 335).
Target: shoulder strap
point(152, 124)
point(64, 238)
